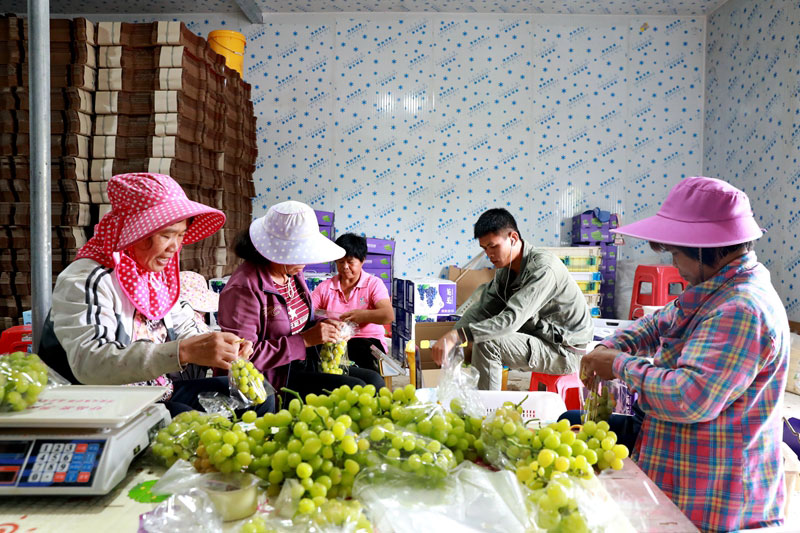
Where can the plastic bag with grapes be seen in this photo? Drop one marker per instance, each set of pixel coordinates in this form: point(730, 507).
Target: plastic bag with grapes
point(292, 513)
point(471, 499)
point(407, 451)
point(605, 397)
point(577, 505)
point(458, 387)
point(23, 377)
point(247, 385)
point(333, 355)
point(505, 438)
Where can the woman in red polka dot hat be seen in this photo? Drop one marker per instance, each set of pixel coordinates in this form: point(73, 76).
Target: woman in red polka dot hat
point(267, 301)
point(116, 317)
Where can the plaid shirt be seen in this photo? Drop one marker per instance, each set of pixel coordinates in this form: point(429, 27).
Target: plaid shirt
point(712, 429)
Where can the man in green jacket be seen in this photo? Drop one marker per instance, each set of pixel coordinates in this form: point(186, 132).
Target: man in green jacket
point(531, 316)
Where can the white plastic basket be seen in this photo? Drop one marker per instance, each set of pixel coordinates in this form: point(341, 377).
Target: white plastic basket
point(544, 406)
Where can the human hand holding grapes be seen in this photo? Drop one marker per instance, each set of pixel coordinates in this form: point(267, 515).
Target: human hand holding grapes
point(598, 364)
point(321, 332)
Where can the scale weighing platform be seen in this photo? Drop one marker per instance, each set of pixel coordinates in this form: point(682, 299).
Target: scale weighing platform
point(77, 440)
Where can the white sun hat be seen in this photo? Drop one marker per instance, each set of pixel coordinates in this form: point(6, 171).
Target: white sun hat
point(289, 235)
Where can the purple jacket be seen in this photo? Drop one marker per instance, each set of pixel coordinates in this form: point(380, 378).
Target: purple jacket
point(250, 307)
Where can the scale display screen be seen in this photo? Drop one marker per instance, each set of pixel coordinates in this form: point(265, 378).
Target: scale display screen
point(49, 462)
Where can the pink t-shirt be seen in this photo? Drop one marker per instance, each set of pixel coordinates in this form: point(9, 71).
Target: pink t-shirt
point(365, 295)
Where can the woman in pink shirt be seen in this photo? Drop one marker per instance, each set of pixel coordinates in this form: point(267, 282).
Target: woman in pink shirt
point(357, 296)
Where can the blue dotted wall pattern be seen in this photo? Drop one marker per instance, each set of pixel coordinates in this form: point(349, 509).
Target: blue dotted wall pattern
point(409, 126)
point(752, 125)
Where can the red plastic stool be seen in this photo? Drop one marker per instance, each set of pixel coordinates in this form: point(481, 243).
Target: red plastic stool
point(16, 339)
point(654, 285)
point(567, 386)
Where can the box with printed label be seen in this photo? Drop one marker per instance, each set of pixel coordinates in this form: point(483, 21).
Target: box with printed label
point(373, 261)
point(324, 218)
point(398, 293)
point(380, 246)
point(319, 268)
point(587, 228)
point(430, 296)
point(327, 231)
point(383, 274)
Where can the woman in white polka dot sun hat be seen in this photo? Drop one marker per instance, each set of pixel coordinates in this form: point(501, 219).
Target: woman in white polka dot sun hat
point(116, 317)
point(266, 300)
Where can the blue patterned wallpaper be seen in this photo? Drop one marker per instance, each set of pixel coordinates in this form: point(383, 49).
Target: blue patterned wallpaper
point(752, 124)
point(408, 127)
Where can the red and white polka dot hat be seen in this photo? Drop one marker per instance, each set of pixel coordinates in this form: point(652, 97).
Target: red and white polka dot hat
point(149, 202)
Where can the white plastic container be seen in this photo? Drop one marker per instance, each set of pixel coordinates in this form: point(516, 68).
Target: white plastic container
point(545, 406)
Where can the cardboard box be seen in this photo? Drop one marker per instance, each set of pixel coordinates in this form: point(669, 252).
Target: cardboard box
point(470, 282)
point(319, 268)
point(380, 246)
point(586, 228)
point(398, 293)
point(384, 274)
point(327, 231)
point(324, 218)
point(406, 321)
point(430, 296)
point(373, 261)
point(432, 331)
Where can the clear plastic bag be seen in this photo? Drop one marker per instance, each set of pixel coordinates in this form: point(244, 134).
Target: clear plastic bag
point(458, 386)
point(333, 355)
point(247, 385)
point(287, 515)
point(572, 504)
point(407, 451)
point(189, 511)
point(181, 438)
point(233, 496)
point(470, 499)
point(605, 397)
point(23, 377)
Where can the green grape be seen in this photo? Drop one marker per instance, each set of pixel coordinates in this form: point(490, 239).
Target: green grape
point(248, 380)
point(23, 377)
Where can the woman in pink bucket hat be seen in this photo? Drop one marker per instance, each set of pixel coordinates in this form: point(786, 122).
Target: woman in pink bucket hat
point(116, 317)
point(711, 430)
point(267, 301)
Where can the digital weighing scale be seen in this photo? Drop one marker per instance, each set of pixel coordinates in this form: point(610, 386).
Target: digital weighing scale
point(77, 440)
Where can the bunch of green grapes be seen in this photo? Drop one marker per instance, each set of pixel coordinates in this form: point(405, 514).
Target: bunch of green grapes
point(341, 515)
point(555, 507)
point(407, 451)
point(599, 406)
point(248, 380)
point(181, 438)
point(505, 440)
point(331, 355)
point(22, 377)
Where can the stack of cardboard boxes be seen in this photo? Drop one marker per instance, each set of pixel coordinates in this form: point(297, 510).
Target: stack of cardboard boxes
point(167, 103)
point(73, 75)
point(589, 230)
point(325, 220)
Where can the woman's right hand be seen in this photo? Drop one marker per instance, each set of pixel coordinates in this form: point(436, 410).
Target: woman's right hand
point(324, 331)
point(215, 349)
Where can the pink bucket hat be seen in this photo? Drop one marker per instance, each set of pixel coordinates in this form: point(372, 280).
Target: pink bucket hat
point(142, 204)
point(195, 291)
point(699, 212)
point(289, 235)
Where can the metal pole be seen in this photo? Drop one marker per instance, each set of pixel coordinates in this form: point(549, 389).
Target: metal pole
point(39, 97)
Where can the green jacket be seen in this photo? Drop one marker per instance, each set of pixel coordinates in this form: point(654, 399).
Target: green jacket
point(543, 300)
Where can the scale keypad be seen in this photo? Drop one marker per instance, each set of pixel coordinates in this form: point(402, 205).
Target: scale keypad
point(62, 464)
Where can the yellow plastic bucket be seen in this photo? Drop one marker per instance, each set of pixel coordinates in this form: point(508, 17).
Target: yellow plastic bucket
point(229, 44)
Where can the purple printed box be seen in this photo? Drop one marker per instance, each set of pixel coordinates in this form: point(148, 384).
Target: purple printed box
point(324, 218)
point(384, 274)
point(380, 246)
point(430, 296)
point(327, 231)
point(319, 267)
point(608, 251)
point(373, 261)
point(586, 228)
